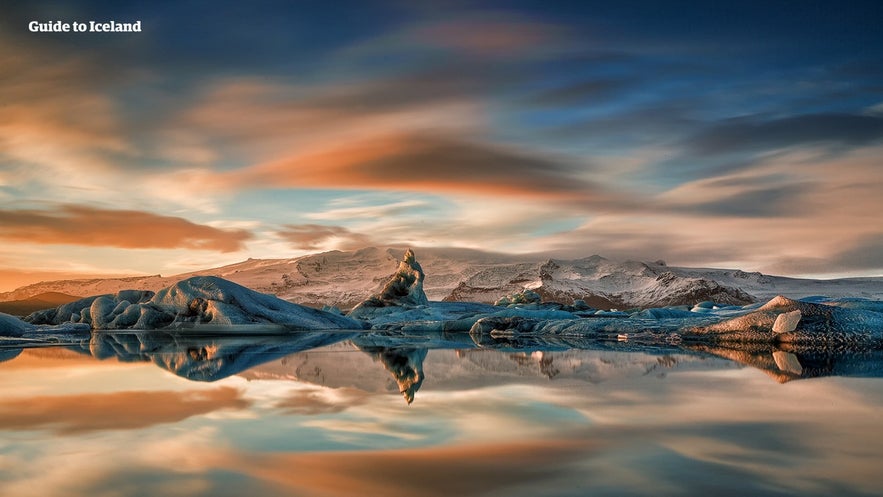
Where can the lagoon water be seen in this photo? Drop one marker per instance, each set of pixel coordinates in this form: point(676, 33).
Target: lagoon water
point(321, 414)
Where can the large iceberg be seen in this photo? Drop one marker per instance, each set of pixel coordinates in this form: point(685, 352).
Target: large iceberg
point(783, 320)
point(201, 300)
point(12, 326)
point(403, 290)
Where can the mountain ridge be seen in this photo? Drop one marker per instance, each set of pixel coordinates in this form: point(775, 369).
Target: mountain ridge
point(345, 278)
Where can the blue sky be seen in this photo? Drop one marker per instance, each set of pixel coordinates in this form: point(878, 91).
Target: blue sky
point(726, 133)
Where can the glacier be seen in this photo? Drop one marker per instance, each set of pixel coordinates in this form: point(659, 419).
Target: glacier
point(345, 278)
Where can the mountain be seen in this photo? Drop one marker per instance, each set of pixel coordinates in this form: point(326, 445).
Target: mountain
point(35, 303)
point(344, 279)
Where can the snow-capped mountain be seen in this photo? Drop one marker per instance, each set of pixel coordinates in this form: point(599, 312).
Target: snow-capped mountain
point(344, 279)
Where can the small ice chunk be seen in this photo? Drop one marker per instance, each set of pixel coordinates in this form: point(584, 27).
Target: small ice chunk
point(787, 321)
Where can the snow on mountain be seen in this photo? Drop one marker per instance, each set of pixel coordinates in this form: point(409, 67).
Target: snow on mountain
point(344, 279)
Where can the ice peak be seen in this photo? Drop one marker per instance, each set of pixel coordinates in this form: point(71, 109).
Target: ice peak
point(406, 285)
point(404, 289)
point(409, 258)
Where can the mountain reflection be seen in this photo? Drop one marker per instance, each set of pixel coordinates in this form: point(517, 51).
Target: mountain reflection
point(207, 358)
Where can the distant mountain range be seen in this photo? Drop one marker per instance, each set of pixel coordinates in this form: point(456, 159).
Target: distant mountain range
point(344, 279)
point(37, 302)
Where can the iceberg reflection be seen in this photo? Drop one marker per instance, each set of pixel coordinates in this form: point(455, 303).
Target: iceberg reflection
point(211, 357)
point(307, 414)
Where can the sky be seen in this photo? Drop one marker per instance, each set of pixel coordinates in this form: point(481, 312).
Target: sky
point(731, 134)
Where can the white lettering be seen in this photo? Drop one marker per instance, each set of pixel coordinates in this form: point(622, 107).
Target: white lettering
point(83, 27)
point(49, 27)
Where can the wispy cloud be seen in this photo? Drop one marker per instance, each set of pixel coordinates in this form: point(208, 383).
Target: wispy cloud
point(314, 236)
point(756, 134)
point(488, 33)
point(81, 225)
point(369, 211)
point(432, 164)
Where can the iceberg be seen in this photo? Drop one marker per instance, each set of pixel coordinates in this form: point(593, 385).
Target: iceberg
point(198, 301)
point(405, 288)
point(403, 302)
point(12, 326)
point(783, 320)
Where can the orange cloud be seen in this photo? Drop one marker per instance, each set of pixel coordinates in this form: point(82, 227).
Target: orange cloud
point(479, 470)
point(54, 115)
point(80, 225)
point(415, 162)
point(114, 411)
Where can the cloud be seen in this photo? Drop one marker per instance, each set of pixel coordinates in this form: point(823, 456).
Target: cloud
point(81, 225)
point(70, 414)
point(56, 111)
point(592, 90)
point(370, 211)
point(742, 196)
point(318, 401)
point(480, 469)
point(415, 162)
point(867, 252)
point(314, 236)
point(754, 134)
point(489, 33)
point(652, 123)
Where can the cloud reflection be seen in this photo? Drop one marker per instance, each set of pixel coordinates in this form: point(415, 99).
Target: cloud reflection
point(72, 414)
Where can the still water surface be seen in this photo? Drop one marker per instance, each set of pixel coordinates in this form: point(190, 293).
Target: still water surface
point(327, 415)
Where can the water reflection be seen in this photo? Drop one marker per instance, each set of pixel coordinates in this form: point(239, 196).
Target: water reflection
point(307, 414)
point(205, 358)
point(788, 362)
point(211, 357)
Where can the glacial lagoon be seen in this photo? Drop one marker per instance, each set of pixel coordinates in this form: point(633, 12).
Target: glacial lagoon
point(404, 414)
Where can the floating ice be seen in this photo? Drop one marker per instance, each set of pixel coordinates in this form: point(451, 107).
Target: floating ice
point(202, 300)
point(12, 326)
